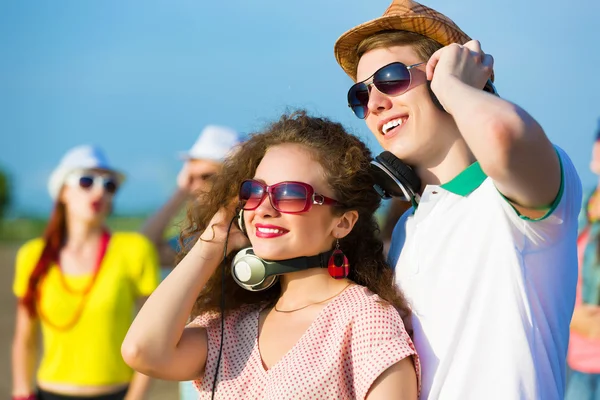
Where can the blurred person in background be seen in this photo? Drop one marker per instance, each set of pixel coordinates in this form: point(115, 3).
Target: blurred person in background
point(80, 283)
point(202, 163)
point(584, 345)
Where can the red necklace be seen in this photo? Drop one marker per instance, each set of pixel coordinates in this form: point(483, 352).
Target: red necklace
point(104, 239)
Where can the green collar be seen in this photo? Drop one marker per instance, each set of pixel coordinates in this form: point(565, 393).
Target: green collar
point(467, 181)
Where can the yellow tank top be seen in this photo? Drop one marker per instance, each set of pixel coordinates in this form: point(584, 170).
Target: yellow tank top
point(88, 353)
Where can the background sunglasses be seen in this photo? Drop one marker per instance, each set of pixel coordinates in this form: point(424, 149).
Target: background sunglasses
point(87, 181)
point(285, 197)
point(392, 79)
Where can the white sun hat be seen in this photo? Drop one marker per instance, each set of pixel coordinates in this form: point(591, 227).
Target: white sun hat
point(80, 158)
point(214, 143)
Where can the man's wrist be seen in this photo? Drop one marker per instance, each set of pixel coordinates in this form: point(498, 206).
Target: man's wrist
point(447, 89)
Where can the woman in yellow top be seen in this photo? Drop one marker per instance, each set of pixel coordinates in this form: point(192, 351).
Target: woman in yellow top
point(80, 283)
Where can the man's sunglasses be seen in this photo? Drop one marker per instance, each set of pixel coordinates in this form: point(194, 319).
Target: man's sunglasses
point(285, 197)
point(88, 180)
point(392, 79)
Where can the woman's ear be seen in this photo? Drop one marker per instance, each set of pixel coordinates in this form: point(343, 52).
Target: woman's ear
point(345, 224)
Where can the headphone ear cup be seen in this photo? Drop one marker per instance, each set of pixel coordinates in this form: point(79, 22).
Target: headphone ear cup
point(249, 271)
point(490, 88)
point(434, 98)
point(266, 284)
point(240, 222)
point(401, 171)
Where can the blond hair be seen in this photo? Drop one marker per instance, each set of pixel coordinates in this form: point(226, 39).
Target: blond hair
point(422, 45)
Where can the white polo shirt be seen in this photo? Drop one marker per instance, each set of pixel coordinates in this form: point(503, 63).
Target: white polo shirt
point(492, 292)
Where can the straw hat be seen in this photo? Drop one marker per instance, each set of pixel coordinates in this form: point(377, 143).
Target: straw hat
point(403, 15)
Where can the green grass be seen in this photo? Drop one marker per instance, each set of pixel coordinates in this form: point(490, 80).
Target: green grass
point(22, 229)
point(26, 228)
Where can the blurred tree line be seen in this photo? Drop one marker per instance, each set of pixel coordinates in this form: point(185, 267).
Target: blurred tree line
point(5, 193)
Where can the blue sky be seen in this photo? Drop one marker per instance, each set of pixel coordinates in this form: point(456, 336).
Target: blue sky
point(142, 78)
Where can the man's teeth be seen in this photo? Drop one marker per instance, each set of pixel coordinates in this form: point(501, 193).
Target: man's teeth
point(269, 230)
point(392, 124)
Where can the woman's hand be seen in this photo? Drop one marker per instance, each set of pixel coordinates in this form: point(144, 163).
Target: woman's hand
point(216, 231)
point(24, 353)
point(158, 344)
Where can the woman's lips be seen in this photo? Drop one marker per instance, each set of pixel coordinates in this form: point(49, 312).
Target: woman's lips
point(96, 206)
point(269, 231)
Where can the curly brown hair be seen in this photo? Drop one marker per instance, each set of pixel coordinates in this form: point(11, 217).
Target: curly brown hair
point(345, 160)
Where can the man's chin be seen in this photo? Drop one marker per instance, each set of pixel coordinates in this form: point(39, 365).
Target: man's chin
point(399, 151)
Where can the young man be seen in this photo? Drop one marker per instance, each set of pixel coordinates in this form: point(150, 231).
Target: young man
point(584, 346)
point(202, 163)
point(488, 257)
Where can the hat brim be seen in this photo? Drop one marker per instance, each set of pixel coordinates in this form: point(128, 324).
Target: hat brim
point(187, 156)
point(434, 27)
point(184, 155)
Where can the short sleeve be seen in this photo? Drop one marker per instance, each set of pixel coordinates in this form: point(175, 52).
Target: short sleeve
point(144, 268)
point(206, 320)
point(562, 217)
point(567, 204)
point(379, 340)
point(27, 258)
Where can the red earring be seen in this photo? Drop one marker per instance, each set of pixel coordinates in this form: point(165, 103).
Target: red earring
point(338, 266)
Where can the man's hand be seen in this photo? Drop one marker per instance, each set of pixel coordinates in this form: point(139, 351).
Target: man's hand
point(467, 63)
point(510, 145)
point(197, 175)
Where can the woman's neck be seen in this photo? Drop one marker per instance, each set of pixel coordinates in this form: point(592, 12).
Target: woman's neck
point(309, 286)
point(81, 234)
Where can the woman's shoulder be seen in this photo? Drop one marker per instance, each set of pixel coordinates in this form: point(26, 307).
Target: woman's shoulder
point(31, 248)
point(368, 311)
point(361, 298)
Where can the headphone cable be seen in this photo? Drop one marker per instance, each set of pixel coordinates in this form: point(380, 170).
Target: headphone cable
point(214, 385)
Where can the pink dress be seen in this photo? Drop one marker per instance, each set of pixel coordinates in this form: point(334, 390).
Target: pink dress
point(353, 340)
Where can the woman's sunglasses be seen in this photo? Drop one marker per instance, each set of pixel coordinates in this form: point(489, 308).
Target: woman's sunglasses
point(88, 180)
point(392, 79)
point(285, 197)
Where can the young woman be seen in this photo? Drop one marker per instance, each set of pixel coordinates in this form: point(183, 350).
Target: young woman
point(330, 329)
point(584, 344)
point(80, 282)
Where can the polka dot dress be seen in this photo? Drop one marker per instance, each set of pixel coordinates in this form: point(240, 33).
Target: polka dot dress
point(353, 340)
